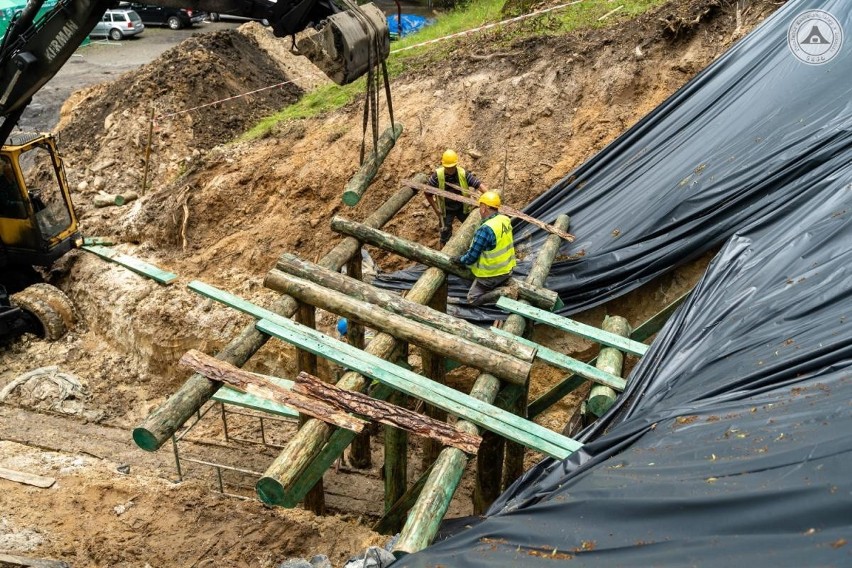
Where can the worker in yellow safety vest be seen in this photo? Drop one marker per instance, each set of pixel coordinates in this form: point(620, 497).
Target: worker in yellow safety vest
point(448, 210)
point(491, 255)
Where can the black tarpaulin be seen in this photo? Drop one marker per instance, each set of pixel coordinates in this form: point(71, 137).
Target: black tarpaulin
point(732, 445)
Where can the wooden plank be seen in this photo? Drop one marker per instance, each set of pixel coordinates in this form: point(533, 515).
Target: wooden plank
point(569, 364)
point(573, 327)
point(386, 413)
point(394, 516)
point(27, 478)
point(16, 560)
point(571, 382)
point(132, 263)
point(218, 370)
point(104, 241)
point(464, 406)
point(228, 395)
point(505, 210)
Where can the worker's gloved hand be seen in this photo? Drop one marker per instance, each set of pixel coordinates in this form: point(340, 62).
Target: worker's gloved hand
point(456, 259)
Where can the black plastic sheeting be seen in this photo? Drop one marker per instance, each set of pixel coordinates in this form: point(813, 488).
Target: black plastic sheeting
point(743, 141)
point(732, 445)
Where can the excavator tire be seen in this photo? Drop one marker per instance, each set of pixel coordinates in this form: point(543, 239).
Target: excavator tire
point(50, 306)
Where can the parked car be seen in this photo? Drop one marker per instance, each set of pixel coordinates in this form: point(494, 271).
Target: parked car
point(118, 24)
point(175, 18)
point(216, 16)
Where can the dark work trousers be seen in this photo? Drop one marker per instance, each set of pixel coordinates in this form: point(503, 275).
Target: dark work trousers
point(449, 216)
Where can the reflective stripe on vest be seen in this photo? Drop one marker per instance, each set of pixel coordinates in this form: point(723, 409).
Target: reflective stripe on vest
point(442, 185)
point(501, 259)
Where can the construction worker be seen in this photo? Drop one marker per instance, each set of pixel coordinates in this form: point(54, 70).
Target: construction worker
point(448, 210)
point(491, 255)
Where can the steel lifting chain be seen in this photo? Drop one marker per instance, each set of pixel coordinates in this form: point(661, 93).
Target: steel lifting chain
point(371, 102)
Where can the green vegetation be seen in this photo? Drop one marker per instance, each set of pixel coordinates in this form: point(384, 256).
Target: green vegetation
point(583, 15)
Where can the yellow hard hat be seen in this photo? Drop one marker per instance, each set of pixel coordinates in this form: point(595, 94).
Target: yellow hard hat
point(449, 159)
point(490, 199)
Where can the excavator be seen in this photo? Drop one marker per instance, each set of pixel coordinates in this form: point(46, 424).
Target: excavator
point(37, 220)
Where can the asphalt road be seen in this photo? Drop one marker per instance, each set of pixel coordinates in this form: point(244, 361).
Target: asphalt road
point(103, 61)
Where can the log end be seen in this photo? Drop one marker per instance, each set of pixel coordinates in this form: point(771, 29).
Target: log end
point(145, 439)
point(271, 492)
point(351, 198)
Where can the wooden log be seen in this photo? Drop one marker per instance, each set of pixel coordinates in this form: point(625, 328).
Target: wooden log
point(358, 184)
point(434, 369)
point(396, 459)
point(307, 363)
point(428, 512)
point(610, 360)
point(244, 381)
point(109, 200)
point(393, 518)
point(292, 265)
point(27, 478)
point(571, 382)
point(307, 455)
point(161, 424)
point(536, 295)
point(463, 350)
point(569, 364)
point(504, 209)
point(386, 413)
point(360, 454)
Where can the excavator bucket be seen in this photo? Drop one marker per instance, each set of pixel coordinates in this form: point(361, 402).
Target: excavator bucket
point(349, 43)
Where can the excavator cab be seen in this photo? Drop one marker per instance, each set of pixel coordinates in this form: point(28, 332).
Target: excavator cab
point(37, 219)
point(37, 226)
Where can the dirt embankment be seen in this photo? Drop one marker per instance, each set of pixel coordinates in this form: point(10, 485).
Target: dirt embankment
point(224, 213)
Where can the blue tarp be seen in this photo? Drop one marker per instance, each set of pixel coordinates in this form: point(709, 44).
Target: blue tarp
point(409, 23)
point(732, 445)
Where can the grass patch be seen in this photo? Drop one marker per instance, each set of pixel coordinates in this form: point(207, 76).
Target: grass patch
point(476, 13)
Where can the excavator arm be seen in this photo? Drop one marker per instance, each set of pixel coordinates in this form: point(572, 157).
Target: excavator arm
point(35, 47)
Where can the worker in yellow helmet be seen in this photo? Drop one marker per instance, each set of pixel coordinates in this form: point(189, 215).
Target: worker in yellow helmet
point(448, 210)
point(491, 255)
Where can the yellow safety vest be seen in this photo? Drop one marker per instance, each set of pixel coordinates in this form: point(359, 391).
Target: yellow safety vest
point(442, 184)
point(501, 259)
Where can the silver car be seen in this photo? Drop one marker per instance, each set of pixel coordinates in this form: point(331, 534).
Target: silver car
point(118, 24)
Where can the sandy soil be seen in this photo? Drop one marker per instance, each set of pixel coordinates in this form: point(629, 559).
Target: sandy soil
point(223, 212)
